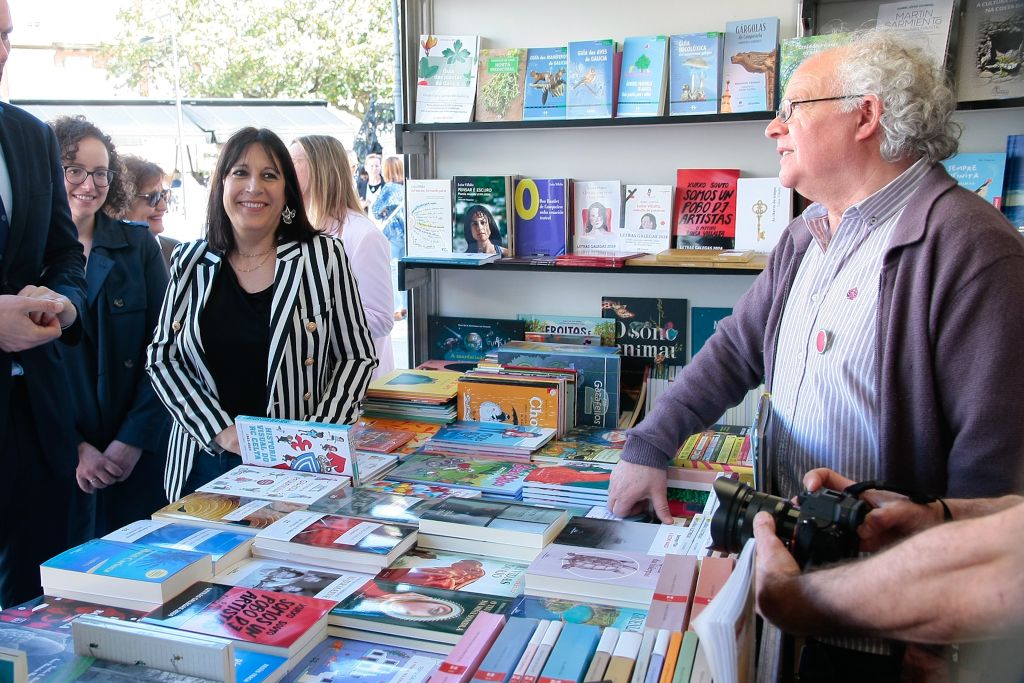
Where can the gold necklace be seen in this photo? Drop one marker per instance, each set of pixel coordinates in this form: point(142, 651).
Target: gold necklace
point(266, 256)
point(262, 253)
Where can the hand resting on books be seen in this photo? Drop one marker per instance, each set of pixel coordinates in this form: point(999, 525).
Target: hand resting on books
point(633, 485)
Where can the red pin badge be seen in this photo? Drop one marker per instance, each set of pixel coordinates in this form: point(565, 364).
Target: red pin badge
point(822, 340)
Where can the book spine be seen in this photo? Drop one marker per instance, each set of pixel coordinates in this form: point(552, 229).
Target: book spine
point(605, 647)
point(470, 650)
point(657, 657)
point(543, 651)
point(671, 657)
point(643, 656)
point(620, 666)
point(529, 652)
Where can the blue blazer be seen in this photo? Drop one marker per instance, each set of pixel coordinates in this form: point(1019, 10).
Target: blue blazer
point(43, 249)
point(125, 284)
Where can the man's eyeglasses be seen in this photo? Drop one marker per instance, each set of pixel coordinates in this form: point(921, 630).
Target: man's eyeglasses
point(101, 177)
point(786, 107)
point(154, 198)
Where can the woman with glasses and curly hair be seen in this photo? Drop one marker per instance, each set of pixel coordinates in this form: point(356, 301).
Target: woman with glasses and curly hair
point(147, 202)
point(122, 428)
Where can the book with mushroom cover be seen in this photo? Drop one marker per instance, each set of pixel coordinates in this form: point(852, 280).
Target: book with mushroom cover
point(695, 62)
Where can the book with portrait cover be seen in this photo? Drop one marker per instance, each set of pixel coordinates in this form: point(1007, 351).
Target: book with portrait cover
point(545, 83)
point(499, 84)
point(541, 216)
point(981, 173)
point(469, 339)
point(287, 576)
point(295, 445)
point(642, 79)
point(750, 63)
point(989, 62)
point(764, 208)
point(457, 572)
point(648, 330)
point(597, 216)
point(446, 78)
point(695, 62)
point(646, 218)
point(574, 611)
point(489, 475)
point(705, 216)
point(342, 659)
point(482, 214)
point(420, 612)
point(428, 217)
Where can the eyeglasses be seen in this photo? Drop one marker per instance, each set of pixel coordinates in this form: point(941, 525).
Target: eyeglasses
point(154, 198)
point(101, 177)
point(786, 107)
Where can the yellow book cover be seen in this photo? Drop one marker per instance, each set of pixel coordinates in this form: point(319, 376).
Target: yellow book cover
point(429, 384)
point(530, 403)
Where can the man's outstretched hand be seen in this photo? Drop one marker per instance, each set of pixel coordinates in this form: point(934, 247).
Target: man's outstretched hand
point(632, 485)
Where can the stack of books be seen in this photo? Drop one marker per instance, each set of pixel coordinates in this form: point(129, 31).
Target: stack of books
point(489, 438)
point(231, 513)
point(584, 444)
point(458, 572)
point(492, 477)
point(424, 395)
point(375, 506)
point(225, 548)
point(616, 577)
point(578, 484)
point(518, 397)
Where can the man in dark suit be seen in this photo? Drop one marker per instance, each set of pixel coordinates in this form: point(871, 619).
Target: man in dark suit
point(42, 283)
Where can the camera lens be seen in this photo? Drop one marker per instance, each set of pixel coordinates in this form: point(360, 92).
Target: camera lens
point(733, 521)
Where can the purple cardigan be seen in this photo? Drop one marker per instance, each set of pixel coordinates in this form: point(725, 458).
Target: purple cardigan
point(949, 340)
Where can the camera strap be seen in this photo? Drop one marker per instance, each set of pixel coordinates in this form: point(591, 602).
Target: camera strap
point(914, 496)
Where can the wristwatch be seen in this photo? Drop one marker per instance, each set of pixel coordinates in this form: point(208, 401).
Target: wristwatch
point(216, 449)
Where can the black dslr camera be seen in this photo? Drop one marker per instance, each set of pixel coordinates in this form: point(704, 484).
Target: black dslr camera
point(821, 529)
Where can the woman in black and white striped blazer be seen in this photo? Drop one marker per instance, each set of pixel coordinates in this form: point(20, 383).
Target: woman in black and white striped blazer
point(263, 317)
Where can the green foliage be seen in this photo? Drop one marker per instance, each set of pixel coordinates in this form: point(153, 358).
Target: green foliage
point(337, 50)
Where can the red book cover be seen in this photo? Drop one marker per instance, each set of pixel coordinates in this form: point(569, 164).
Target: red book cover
point(47, 613)
point(705, 215)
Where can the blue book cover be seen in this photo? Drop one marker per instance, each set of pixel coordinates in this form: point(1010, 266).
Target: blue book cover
point(255, 667)
point(981, 173)
point(576, 612)
point(339, 661)
point(642, 80)
point(750, 65)
point(158, 534)
point(703, 323)
point(494, 434)
point(545, 83)
point(694, 65)
point(1013, 184)
point(541, 210)
point(572, 653)
point(124, 561)
point(590, 83)
point(500, 661)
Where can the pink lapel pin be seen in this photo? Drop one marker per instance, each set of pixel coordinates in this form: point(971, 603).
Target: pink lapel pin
point(822, 341)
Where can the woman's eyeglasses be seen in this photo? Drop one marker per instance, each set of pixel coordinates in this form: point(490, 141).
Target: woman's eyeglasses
point(101, 177)
point(154, 198)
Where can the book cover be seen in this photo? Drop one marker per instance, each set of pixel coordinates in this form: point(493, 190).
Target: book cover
point(468, 653)
point(646, 218)
point(500, 83)
point(469, 339)
point(571, 655)
point(295, 445)
point(629, 619)
point(569, 450)
point(981, 173)
point(446, 78)
point(652, 330)
point(122, 561)
point(624, 658)
point(374, 505)
point(484, 474)
point(1013, 183)
point(414, 611)
point(497, 400)
point(429, 491)
point(794, 51)
point(588, 572)
point(50, 613)
point(749, 65)
point(705, 215)
point(988, 65)
point(164, 534)
point(926, 21)
point(338, 660)
point(695, 62)
point(293, 578)
point(379, 440)
point(608, 534)
point(670, 607)
point(267, 483)
point(225, 511)
point(541, 216)
point(482, 215)
point(508, 648)
point(703, 323)
point(642, 81)
point(457, 572)
point(571, 477)
point(480, 434)
point(714, 572)
point(493, 521)
point(597, 216)
point(336, 533)
point(50, 654)
point(563, 324)
point(374, 465)
point(545, 83)
point(439, 385)
point(428, 217)
point(763, 210)
point(590, 91)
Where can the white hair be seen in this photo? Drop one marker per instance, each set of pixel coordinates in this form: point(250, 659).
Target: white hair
point(917, 104)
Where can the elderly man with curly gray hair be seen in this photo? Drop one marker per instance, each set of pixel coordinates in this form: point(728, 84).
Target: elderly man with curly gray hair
point(887, 323)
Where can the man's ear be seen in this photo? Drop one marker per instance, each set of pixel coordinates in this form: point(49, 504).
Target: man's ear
point(869, 113)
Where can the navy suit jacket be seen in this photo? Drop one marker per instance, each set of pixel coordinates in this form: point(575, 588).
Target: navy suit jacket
point(43, 249)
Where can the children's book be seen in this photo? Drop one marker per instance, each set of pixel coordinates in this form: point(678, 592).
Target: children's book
point(695, 62)
point(564, 324)
point(750, 64)
point(650, 330)
point(574, 611)
point(763, 210)
point(379, 440)
point(216, 510)
point(646, 218)
point(492, 435)
point(597, 216)
point(545, 83)
point(643, 75)
point(541, 216)
point(469, 339)
point(482, 215)
point(428, 491)
point(488, 475)
point(591, 81)
point(295, 445)
point(493, 521)
point(430, 385)
point(225, 548)
point(340, 660)
point(446, 78)
point(513, 405)
point(705, 215)
point(988, 65)
point(267, 483)
point(288, 576)
point(981, 173)
point(428, 217)
point(926, 21)
point(500, 83)
point(457, 572)
point(571, 478)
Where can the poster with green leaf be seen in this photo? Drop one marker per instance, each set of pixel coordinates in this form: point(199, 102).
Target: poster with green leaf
point(446, 75)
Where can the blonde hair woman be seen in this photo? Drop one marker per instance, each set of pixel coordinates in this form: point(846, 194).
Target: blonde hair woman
point(322, 167)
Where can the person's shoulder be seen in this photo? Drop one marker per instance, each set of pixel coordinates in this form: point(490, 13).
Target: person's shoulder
point(13, 112)
point(360, 225)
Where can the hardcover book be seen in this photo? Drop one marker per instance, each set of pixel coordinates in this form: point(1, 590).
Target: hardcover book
point(988, 65)
point(286, 576)
point(646, 218)
point(338, 660)
point(705, 215)
point(493, 521)
point(571, 655)
point(642, 80)
point(763, 210)
point(220, 511)
point(629, 619)
point(469, 339)
point(225, 548)
point(981, 173)
point(295, 445)
point(597, 216)
point(703, 323)
point(379, 440)
point(482, 215)
point(545, 83)
point(446, 78)
point(588, 573)
point(541, 217)
point(648, 329)
point(695, 62)
point(591, 87)
point(336, 540)
point(927, 21)
point(750, 64)
point(562, 324)
point(500, 83)
point(267, 483)
point(428, 217)
point(483, 474)
point(457, 572)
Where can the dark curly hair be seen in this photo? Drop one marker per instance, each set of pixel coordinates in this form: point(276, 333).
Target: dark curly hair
point(70, 131)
